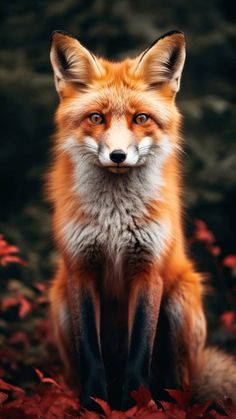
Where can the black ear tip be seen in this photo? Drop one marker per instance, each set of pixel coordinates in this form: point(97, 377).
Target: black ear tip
point(170, 33)
point(60, 32)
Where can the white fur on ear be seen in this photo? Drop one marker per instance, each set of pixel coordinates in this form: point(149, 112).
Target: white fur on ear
point(163, 62)
point(72, 62)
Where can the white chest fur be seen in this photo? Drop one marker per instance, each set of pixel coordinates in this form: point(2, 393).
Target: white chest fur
point(115, 204)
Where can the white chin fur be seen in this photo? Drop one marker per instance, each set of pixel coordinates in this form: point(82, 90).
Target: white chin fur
point(117, 169)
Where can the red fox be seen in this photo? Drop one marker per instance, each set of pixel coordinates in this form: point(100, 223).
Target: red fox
point(115, 185)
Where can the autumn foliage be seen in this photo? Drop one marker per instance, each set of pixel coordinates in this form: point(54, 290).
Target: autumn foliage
point(31, 381)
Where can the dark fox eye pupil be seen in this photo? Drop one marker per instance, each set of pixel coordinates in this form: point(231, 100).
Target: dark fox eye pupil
point(140, 119)
point(96, 118)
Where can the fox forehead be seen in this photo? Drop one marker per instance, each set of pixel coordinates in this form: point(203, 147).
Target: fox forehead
point(118, 99)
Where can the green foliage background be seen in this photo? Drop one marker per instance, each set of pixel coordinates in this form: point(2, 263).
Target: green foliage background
point(114, 28)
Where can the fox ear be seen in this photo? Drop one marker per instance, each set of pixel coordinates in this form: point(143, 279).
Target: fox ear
point(163, 62)
point(71, 62)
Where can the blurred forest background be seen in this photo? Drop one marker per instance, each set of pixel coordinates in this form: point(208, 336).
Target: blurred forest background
point(117, 28)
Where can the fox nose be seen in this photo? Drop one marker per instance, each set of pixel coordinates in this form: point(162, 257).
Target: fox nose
point(118, 156)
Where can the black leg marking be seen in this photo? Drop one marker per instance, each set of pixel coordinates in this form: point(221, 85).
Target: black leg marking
point(163, 367)
point(91, 365)
point(88, 353)
point(139, 355)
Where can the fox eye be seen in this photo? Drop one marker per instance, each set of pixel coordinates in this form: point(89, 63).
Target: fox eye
point(96, 118)
point(140, 118)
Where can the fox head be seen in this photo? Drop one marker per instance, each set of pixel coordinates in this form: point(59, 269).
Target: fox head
point(116, 114)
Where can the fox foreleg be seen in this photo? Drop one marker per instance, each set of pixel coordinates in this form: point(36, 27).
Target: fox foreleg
point(143, 310)
point(187, 324)
point(84, 306)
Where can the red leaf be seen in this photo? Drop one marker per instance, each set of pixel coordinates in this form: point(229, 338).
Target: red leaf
point(228, 318)
point(40, 286)
point(202, 233)
point(104, 405)
point(142, 396)
point(6, 251)
point(215, 250)
point(172, 411)
point(9, 302)
point(117, 414)
point(215, 415)
point(45, 379)
point(42, 299)
point(3, 397)
point(25, 307)
point(131, 412)
point(10, 387)
point(230, 261)
point(8, 412)
point(89, 415)
point(182, 398)
point(228, 406)
point(12, 259)
point(197, 410)
point(155, 415)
